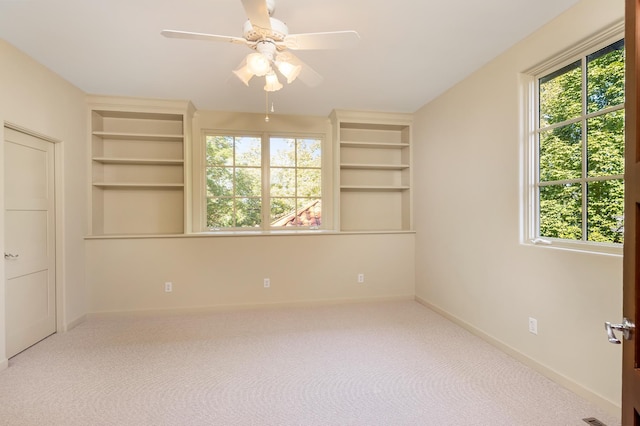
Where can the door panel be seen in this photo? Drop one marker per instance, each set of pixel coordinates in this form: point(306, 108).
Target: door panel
point(28, 236)
point(30, 309)
point(28, 170)
point(29, 240)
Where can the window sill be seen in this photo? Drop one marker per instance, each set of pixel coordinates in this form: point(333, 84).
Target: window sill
point(577, 246)
point(223, 234)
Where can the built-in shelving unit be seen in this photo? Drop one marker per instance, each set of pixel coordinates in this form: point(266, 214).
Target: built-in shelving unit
point(138, 152)
point(374, 161)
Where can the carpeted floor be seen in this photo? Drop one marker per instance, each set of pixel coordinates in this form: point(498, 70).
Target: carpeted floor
point(393, 363)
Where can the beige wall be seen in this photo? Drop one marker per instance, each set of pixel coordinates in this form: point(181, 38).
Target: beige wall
point(38, 100)
point(470, 263)
point(129, 274)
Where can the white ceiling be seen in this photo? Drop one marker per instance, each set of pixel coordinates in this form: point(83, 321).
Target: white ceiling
point(410, 50)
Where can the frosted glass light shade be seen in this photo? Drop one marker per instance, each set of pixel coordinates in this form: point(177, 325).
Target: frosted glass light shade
point(244, 74)
point(289, 70)
point(258, 64)
point(272, 83)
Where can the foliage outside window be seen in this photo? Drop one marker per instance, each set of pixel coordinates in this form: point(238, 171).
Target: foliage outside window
point(263, 183)
point(580, 140)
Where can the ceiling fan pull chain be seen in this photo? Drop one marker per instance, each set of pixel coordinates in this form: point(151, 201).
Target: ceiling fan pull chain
point(266, 106)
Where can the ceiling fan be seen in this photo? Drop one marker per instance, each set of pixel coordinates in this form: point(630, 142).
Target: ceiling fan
point(270, 39)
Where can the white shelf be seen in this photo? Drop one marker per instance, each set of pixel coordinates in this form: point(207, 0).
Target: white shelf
point(139, 136)
point(373, 188)
point(138, 185)
point(138, 161)
point(375, 145)
point(374, 166)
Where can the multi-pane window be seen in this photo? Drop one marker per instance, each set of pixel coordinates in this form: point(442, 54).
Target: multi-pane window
point(295, 188)
point(263, 182)
point(234, 181)
point(580, 140)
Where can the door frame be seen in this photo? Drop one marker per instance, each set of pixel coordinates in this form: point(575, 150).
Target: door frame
point(59, 217)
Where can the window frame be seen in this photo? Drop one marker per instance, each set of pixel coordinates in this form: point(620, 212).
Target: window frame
point(528, 82)
point(200, 216)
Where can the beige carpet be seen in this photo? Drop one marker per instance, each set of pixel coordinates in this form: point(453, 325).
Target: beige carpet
point(395, 363)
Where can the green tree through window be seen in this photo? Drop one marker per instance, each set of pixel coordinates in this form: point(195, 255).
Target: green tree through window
point(581, 148)
point(233, 175)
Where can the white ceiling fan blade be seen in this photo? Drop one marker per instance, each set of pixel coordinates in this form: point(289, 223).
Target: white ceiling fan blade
point(202, 36)
point(329, 40)
point(258, 13)
point(307, 74)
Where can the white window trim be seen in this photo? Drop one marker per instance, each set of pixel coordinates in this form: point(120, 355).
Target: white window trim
point(200, 190)
point(528, 152)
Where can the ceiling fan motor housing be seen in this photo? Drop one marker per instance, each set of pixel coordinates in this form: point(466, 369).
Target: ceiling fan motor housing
point(277, 32)
point(267, 48)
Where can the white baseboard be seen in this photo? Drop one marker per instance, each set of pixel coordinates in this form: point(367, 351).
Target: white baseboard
point(73, 324)
point(562, 380)
point(4, 364)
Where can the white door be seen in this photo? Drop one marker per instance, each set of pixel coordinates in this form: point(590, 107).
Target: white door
point(29, 240)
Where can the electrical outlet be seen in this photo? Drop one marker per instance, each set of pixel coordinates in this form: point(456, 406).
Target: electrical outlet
point(168, 287)
point(533, 325)
point(360, 278)
point(267, 283)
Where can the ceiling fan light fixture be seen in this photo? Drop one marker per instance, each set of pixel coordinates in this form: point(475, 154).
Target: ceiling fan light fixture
point(270, 39)
point(258, 64)
point(244, 74)
point(271, 83)
point(290, 71)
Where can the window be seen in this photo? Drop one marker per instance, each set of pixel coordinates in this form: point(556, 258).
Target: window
point(234, 181)
point(263, 182)
point(579, 144)
point(295, 182)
